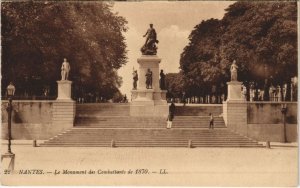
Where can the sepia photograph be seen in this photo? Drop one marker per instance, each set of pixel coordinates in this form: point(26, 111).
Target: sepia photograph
point(149, 93)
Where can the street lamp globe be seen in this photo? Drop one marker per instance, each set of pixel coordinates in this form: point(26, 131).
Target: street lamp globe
point(11, 90)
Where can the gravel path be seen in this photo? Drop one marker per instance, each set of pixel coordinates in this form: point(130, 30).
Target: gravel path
point(184, 167)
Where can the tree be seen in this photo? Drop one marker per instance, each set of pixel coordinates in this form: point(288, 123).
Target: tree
point(200, 62)
point(36, 36)
point(174, 85)
point(260, 36)
point(262, 33)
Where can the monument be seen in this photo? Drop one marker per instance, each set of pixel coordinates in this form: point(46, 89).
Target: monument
point(148, 99)
point(64, 85)
point(64, 103)
point(235, 107)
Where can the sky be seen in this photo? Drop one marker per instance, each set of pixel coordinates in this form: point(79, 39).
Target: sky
point(173, 22)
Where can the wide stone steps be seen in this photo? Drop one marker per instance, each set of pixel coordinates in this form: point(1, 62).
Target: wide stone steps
point(146, 122)
point(199, 110)
point(89, 137)
point(103, 109)
point(124, 109)
point(109, 125)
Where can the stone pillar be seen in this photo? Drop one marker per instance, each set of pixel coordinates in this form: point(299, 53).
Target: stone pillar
point(64, 108)
point(148, 102)
point(235, 108)
point(64, 90)
point(235, 113)
point(63, 115)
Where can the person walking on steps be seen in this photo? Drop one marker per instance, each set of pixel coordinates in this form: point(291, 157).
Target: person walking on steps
point(171, 115)
point(211, 121)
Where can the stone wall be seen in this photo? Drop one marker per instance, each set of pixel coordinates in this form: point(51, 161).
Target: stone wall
point(270, 113)
point(262, 121)
point(38, 119)
point(272, 132)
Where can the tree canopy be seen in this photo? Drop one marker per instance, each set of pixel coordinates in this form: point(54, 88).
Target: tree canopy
point(260, 36)
point(36, 36)
point(174, 83)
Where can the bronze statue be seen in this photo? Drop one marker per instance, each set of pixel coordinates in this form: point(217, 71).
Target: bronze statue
point(149, 79)
point(149, 47)
point(162, 80)
point(135, 79)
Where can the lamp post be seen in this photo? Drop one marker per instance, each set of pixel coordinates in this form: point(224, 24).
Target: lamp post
point(10, 93)
point(283, 111)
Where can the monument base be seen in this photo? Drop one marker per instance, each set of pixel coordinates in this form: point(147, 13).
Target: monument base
point(148, 102)
point(64, 90)
point(149, 96)
point(149, 110)
point(235, 91)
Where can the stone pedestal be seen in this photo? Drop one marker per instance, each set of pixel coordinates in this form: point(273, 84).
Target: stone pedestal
point(235, 114)
point(235, 91)
point(235, 107)
point(64, 90)
point(148, 102)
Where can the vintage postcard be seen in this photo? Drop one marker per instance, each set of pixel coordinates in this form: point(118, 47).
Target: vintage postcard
point(149, 93)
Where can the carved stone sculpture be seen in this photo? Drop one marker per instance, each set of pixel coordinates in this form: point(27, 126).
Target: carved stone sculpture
point(149, 79)
point(65, 69)
point(233, 71)
point(135, 79)
point(162, 80)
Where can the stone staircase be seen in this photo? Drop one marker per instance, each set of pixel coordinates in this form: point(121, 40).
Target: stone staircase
point(103, 109)
point(109, 125)
point(97, 137)
point(145, 122)
point(199, 110)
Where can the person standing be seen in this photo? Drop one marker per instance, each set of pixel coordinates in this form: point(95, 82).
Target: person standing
point(171, 115)
point(211, 121)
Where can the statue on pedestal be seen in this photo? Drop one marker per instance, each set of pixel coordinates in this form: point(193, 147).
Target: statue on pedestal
point(149, 47)
point(233, 71)
point(244, 92)
point(65, 69)
point(162, 80)
point(135, 79)
point(149, 79)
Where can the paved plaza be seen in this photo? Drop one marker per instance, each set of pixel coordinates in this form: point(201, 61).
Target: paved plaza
point(277, 166)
